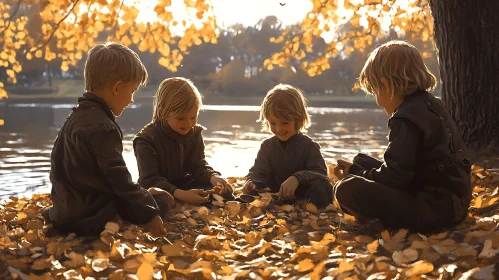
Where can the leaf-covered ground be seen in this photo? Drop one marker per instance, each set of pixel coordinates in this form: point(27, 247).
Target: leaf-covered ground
point(257, 240)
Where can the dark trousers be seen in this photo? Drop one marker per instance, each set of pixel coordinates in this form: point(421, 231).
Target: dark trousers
point(318, 191)
point(94, 225)
point(395, 208)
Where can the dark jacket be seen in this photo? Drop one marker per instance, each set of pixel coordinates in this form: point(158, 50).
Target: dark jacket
point(276, 161)
point(425, 154)
point(90, 181)
point(165, 158)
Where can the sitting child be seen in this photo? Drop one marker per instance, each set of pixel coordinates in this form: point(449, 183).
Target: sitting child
point(424, 182)
point(289, 163)
point(170, 149)
point(91, 184)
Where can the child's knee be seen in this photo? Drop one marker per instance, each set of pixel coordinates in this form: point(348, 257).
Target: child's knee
point(344, 191)
point(320, 193)
point(164, 205)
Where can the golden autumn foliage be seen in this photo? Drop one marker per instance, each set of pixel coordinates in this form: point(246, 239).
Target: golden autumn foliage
point(262, 239)
point(367, 20)
point(66, 29)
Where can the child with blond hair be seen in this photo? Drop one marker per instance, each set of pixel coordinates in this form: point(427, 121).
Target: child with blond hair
point(423, 182)
point(91, 184)
point(290, 163)
point(170, 149)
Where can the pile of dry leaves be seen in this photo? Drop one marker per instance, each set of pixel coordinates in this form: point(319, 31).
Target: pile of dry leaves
point(257, 240)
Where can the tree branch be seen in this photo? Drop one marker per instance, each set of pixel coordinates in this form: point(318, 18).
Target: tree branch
point(115, 21)
point(9, 20)
point(56, 27)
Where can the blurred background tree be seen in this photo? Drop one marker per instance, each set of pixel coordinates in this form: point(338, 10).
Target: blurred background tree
point(322, 54)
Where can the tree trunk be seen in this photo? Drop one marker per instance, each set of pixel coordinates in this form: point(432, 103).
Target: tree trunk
point(49, 73)
point(467, 41)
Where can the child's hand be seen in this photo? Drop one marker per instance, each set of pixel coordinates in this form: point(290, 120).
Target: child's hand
point(249, 187)
point(158, 191)
point(288, 188)
point(155, 226)
point(341, 170)
point(215, 181)
point(196, 196)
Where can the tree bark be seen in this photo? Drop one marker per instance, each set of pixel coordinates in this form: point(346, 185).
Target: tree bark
point(467, 41)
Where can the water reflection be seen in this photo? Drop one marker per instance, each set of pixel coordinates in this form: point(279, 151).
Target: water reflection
point(232, 138)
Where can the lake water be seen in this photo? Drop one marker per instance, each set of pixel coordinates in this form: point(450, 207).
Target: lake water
point(232, 138)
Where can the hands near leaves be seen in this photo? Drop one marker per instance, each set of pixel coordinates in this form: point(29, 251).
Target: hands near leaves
point(217, 181)
point(158, 191)
point(155, 226)
point(195, 196)
point(288, 188)
point(341, 170)
point(249, 187)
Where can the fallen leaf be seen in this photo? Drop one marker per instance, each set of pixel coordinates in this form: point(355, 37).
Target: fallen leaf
point(305, 265)
point(145, 271)
point(418, 268)
point(479, 273)
point(488, 251)
point(373, 246)
point(99, 265)
point(405, 257)
point(112, 228)
point(234, 208)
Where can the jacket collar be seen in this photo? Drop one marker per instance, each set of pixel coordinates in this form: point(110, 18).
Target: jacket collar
point(167, 131)
point(91, 100)
point(284, 144)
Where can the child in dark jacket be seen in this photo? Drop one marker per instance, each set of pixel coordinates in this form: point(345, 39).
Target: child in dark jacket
point(91, 184)
point(423, 183)
point(170, 149)
point(290, 162)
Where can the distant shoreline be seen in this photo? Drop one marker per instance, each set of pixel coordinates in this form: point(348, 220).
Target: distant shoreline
point(314, 101)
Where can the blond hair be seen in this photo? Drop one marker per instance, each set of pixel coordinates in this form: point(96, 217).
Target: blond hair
point(401, 64)
point(175, 96)
point(287, 102)
point(111, 62)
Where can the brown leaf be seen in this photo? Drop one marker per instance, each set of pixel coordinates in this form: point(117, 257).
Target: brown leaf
point(406, 256)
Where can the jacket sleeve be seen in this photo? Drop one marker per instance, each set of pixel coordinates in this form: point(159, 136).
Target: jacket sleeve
point(197, 164)
point(315, 166)
point(260, 172)
point(107, 148)
point(400, 156)
point(148, 165)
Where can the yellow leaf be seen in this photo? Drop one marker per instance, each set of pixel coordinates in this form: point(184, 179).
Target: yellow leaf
point(99, 26)
point(10, 73)
point(420, 267)
point(145, 271)
point(373, 246)
point(21, 215)
point(38, 53)
point(310, 207)
point(234, 208)
point(478, 202)
point(345, 266)
point(305, 265)
point(2, 122)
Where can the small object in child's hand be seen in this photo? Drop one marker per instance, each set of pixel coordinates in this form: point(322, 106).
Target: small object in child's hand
point(218, 189)
point(275, 197)
point(245, 198)
point(263, 190)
